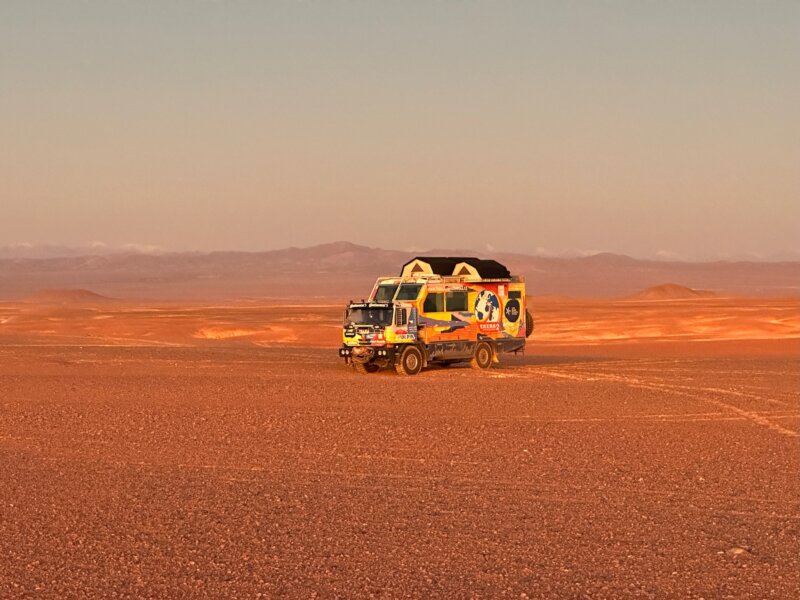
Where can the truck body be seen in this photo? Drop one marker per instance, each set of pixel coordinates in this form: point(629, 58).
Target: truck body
point(438, 310)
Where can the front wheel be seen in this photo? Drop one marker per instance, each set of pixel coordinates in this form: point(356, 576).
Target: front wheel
point(410, 362)
point(364, 368)
point(483, 356)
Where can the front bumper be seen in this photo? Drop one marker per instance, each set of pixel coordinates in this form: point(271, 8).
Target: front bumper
point(365, 354)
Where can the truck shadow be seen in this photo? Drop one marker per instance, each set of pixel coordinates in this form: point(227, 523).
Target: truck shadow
point(546, 359)
point(511, 362)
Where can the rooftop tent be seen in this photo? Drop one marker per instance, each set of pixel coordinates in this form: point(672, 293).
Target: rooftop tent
point(455, 265)
point(490, 269)
point(416, 267)
point(431, 265)
point(464, 269)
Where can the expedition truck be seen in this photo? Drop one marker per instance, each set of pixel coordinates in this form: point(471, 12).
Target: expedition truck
point(439, 310)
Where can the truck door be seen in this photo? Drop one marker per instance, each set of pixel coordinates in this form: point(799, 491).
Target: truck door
point(433, 314)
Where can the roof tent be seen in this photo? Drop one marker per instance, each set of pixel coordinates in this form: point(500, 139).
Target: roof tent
point(448, 266)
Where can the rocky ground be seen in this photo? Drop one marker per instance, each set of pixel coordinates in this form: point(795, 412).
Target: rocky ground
point(239, 470)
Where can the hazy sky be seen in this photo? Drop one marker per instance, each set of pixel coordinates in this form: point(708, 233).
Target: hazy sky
point(633, 127)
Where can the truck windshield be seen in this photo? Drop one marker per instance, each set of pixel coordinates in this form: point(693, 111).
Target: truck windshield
point(408, 291)
point(370, 316)
point(385, 292)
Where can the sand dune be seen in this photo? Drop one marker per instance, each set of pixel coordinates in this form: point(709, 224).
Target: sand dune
point(672, 291)
point(72, 297)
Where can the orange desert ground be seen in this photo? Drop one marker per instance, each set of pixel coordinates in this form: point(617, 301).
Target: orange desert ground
point(645, 445)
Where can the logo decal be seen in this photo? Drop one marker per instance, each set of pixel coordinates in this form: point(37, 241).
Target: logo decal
point(487, 307)
point(512, 311)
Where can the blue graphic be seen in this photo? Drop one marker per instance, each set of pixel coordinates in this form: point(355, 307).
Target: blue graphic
point(512, 310)
point(452, 325)
point(487, 307)
point(412, 322)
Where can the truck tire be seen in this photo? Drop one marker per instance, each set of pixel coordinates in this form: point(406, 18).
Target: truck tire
point(364, 368)
point(410, 362)
point(528, 323)
point(483, 356)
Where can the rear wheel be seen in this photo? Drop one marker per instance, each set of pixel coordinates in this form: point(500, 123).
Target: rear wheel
point(528, 323)
point(483, 356)
point(364, 368)
point(410, 362)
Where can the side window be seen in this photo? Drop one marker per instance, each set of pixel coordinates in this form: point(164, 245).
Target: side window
point(434, 302)
point(515, 294)
point(456, 301)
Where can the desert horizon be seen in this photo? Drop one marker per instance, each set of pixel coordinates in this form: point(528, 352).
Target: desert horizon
point(342, 268)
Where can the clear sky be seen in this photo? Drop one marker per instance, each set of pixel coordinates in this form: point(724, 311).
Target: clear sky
point(632, 127)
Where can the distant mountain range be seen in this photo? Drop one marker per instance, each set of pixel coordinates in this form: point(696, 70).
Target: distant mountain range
point(342, 270)
point(31, 250)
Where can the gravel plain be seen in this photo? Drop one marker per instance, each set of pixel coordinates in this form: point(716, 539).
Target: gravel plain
point(238, 471)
